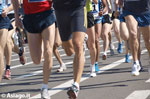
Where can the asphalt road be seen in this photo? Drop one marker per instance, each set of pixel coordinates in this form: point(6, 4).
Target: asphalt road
point(114, 81)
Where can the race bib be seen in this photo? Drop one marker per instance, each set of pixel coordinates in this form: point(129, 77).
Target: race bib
point(30, 1)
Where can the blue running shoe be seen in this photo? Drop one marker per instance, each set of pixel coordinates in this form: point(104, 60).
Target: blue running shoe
point(96, 68)
point(120, 49)
point(127, 58)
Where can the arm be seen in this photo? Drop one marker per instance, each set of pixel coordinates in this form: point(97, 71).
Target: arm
point(15, 4)
point(105, 6)
point(6, 10)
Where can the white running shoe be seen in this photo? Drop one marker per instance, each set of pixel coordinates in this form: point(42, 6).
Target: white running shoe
point(93, 73)
point(45, 94)
point(135, 69)
point(62, 68)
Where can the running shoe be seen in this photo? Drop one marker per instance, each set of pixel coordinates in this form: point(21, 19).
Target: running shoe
point(142, 69)
point(96, 68)
point(22, 57)
point(104, 57)
point(7, 74)
point(135, 69)
point(73, 92)
point(120, 49)
point(62, 68)
point(127, 58)
point(45, 94)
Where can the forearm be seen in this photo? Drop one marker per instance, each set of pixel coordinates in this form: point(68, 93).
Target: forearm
point(15, 5)
point(105, 8)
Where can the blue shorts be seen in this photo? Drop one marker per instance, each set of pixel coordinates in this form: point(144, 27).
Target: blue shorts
point(121, 18)
point(142, 19)
point(36, 23)
point(5, 23)
point(98, 21)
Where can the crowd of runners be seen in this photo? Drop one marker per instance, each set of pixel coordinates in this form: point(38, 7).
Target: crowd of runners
point(74, 25)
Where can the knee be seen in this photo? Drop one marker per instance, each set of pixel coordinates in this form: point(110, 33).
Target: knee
point(133, 35)
point(77, 46)
point(36, 60)
point(48, 53)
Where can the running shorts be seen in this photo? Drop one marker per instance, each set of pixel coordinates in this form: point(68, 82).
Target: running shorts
point(36, 23)
point(5, 23)
point(106, 19)
point(142, 19)
point(69, 21)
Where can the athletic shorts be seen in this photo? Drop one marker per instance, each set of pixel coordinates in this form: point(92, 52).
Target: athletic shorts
point(113, 17)
point(142, 19)
point(36, 23)
point(106, 19)
point(5, 23)
point(90, 20)
point(69, 21)
point(98, 21)
point(121, 18)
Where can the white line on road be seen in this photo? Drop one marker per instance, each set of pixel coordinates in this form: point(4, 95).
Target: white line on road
point(67, 84)
point(148, 81)
point(140, 94)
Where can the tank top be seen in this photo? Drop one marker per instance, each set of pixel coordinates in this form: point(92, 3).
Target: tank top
point(36, 6)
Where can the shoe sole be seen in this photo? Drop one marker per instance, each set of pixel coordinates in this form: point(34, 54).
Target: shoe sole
point(133, 74)
point(71, 94)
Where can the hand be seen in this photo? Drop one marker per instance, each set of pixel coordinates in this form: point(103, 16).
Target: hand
point(100, 13)
point(116, 14)
point(4, 12)
point(18, 23)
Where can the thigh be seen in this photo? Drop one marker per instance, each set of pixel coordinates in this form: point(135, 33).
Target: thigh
point(131, 24)
point(146, 32)
point(35, 41)
point(106, 28)
point(48, 36)
point(91, 35)
point(3, 38)
point(98, 30)
point(124, 30)
point(68, 47)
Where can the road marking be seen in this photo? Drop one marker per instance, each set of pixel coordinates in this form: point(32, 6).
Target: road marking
point(67, 84)
point(148, 81)
point(140, 94)
point(40, 71)
point(20, 65)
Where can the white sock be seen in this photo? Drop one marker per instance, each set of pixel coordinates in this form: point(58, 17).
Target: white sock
point(105, 53)
point(92, 68)
point(137, 62)
point(44, 86)
point(76, 84)
point(96, 62)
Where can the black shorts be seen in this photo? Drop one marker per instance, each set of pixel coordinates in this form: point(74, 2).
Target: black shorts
point(5, 23)
point(69, 21)
point(90, 20)
point(36, 23)
point(106, 19)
